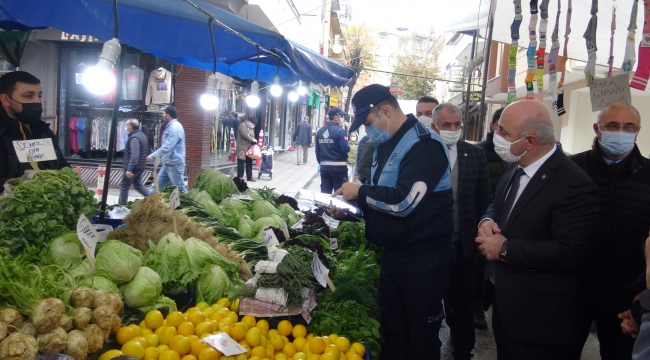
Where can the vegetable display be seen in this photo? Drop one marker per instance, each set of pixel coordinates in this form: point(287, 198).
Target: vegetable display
point(215, 183)
point(143, 290)
point(117, 261)
point(33, 211)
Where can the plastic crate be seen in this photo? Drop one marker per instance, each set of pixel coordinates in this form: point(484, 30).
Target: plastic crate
point(115, 223)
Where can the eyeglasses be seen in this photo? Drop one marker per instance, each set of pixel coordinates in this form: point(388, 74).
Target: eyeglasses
point(616, 127)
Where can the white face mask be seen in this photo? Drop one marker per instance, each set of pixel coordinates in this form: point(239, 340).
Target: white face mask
point(426, 121)
point(502, 148)
point(449, 137)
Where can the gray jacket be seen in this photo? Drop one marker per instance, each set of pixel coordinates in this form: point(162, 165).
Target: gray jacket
point(302, 134)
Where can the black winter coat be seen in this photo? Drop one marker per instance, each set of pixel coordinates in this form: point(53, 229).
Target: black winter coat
point(495, 164)
point(623, 224)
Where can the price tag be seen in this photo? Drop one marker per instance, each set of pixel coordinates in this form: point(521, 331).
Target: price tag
point(331, 222)
point(38, 149)
point(242, 197)
point(285, 230)
point(319, 270)
point(269, 238)
point(174, 201)
point(298, 225)
point(88, 237)
point(225, 344)
point(334, 244)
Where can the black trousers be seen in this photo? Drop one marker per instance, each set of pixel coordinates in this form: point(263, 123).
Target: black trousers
point(332, 178)
point(459, 304)
point(249, 168)
point(411, 287)
point(479, 277)
point(510, 349)
point(614, 344)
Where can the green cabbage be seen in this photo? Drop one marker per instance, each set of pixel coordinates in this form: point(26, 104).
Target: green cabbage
point(261, 209)
point(81, 270)
point(261, 224)
point(277, 219)
point(246, 227)
point(100, 283)
point(239, 206)
point(201, 256)
point(117, 261)
point(213, 285)
point(169, 259)
point(143, 290)
point(161, 302)
point(288, 214)
point(65, 251)
point(253, 194)
point(217, 184)
point(224, 216)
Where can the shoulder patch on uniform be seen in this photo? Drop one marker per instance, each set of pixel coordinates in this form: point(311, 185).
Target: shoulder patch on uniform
point(392, 159)
point(421, 130)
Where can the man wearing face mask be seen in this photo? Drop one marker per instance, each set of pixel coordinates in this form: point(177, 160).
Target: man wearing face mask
point(622, 175)
point(332, 150)
point(408, 211)
point(537, 236)
point(424, 110)
point(20, 119)
point(472, 196)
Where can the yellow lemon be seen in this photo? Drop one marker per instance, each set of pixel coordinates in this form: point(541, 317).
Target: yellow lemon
point(264, 326)
point(133, 348)
point(327, 340)
point(136, 329)
point(317, 345)
point(142, 341)
point(359, 348)
point(202, 305)
point(285, 328)
point(160, 330)
point(208, 311)
point(216, 316)
point(186, 329)
point(124, 334)
point(195, 317)
point(264, 341)
point(253, 338)
point(289, 349)
point(343, 357)
point(327, 356)
point(192, 309)
point(309, 336)
point(209, 353)
point(299, 331)
point(216, 307)
point(181, 345)
point(169, 355)
point(234, 307)
point(142, 325)
point(225, 329)
point(343, 344)
point(300, 356)
point(234, 317)
point(203, 328)
point(277, 342)
point(350, 353)
point(224, 302)
point(228, 358)
point(313, 357)
point(245, 346)
point(355, 357)
point(162, 348)
point(333, 337)
point(272, 333)
point(299, 342)
point(241, 357)
point(146, 332)
point(238, 332)
point(110, 354)
point(196, 346)
point(249, 320)
point(285, 339)
point(334, 350)
point(151, 353)
point(188, 357)
point(280, 356)
point(259, 351)
point(175, 319)
point(153, 320)
point(270, 350)
point(226, 321)
point(152, 340)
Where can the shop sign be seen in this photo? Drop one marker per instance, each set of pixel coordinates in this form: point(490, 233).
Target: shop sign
point(52, 34)
point(474, 96)
point(456, 73)
point(608, 91)
point(334, 101)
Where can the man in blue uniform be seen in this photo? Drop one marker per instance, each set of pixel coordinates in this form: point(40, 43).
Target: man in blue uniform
point(332, 150)
point(408, 209)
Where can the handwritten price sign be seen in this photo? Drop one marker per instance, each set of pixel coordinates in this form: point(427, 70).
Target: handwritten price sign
point(270, 239)
point(88, 237)
point(608, 91)
point(174, 201)
point(38, 149)
point(225, 344)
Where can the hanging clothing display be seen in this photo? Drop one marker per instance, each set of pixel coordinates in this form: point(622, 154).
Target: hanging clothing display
point(159, 88)
point(532, 47)
point(640, 80)
point(610, 60)
point(590, 37)
point(132, 78)
point(630, 50)
point(560, 88)
point(512, 56)
point(552, 59)
point(541, 51)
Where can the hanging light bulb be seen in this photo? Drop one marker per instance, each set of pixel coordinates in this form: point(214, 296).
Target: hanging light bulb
point(253, 99)
point(210, 100)
point(301, 89)
point(276, 89)
point(293, 96)
point(99, 79)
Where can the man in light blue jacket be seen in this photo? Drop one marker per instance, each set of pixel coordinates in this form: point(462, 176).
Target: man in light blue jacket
point(171, 153)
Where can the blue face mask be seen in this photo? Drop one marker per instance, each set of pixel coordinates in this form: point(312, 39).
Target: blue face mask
point(617, 143)
point(377, 135)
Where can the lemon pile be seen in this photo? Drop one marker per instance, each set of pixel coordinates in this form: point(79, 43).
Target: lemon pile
point(178, 337)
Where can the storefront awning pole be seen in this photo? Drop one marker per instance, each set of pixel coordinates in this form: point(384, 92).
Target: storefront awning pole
point(112, 136)
point(486, 70)
point(469, 82)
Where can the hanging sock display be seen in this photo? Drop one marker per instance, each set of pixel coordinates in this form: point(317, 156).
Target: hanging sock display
point(630, 51)
point(590, 37)
point(610, 60)
point(640, 79)
point(512, 56)
point(532, 47)
point(552, 59)
point(560, 90)
point(541, 51)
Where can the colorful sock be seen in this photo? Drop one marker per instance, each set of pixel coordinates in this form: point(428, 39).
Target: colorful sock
point(640, 79)
point(560, 102)
point(552, 70)
point(590, 37)
point(514, 28)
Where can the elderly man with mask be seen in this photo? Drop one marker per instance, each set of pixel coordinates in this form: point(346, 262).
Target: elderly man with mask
point(472, 196)
point(622, 175)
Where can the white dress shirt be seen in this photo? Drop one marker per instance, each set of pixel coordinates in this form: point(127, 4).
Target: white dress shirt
point(453, 155)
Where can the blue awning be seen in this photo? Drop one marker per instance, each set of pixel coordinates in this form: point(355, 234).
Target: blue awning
point(176, 31)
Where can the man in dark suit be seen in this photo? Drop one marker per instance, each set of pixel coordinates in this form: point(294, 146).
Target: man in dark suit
point(538, 234)
point(472, 196)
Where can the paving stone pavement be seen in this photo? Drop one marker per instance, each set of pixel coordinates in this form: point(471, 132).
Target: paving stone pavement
point(288, 177)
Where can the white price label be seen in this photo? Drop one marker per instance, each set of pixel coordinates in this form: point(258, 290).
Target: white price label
point(38, 149)
point(242, 197)
point(225, 344)
point(174, 201)
point(331, 222)
point(334, 244)
point(285, 230)
point(298, 225)
point(88, 237)
point(319, 270)
point(269, 238)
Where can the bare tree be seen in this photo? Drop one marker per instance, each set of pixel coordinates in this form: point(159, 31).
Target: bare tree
point(420, 60)
point(359, 55)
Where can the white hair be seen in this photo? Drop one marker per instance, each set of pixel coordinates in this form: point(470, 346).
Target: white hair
point(451, 109)
point(543, 131)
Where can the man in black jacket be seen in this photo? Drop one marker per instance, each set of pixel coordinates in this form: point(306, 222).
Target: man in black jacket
point(472, 196)
point(332, 150)
point(408, 212)
point(622, 175)
point(20, 119)
point(135, 161)
point(537, 235)
point(494, 163)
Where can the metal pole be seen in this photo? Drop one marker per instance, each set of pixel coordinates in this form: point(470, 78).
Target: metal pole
point(111, 138)
point(488, 45)
point(469, 83)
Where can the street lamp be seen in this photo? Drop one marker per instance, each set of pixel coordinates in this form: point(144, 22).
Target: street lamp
point(276, 89)
point(210, 100)
point(253, 99)
point(99, 79)
point(293, 96)
point(301, 89)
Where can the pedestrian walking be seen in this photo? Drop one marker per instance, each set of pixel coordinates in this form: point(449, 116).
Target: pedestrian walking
point(135, 161)
point(408, 209)
point(171, 153)
point(302, 140)
point(245, 138)
point(332, 150)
